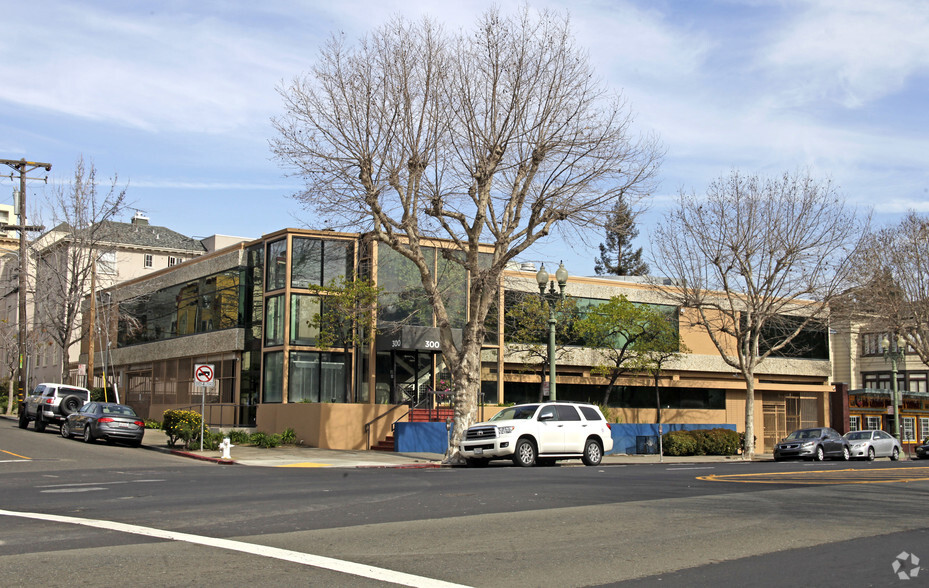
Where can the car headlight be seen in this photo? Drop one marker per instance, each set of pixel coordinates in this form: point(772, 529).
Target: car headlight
point(858, 445)
point(808, 444)
point(505, 430)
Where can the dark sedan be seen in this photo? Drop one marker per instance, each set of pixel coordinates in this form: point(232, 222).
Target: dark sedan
point(922, 450)
point(105, 420)
point(816, 444)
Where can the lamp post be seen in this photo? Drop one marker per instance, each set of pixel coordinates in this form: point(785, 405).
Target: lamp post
point(894, 356)
point(552, 297)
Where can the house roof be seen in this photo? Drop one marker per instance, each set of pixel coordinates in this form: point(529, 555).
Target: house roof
point(141, 235)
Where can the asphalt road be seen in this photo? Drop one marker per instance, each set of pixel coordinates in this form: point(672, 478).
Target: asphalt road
point(191, 523)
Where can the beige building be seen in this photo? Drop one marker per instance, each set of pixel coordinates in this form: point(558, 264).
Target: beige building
point(245, 310)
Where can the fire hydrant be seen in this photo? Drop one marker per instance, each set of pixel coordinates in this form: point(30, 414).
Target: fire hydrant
point(226, 445)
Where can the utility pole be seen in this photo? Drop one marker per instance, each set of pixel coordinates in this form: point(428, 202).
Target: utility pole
point(23, 167)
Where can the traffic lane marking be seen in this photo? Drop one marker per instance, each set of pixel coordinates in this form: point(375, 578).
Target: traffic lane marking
point(815, 477)
point(307, 559)
point(14, 454)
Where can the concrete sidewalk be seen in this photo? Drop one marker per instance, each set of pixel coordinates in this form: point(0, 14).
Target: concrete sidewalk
point(295, 456)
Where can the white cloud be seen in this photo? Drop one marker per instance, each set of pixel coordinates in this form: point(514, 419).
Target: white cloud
point(849, 51)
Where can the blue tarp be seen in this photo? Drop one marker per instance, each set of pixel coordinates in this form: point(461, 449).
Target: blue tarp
point(433, 437)
point(624, 435)
point(420, 438)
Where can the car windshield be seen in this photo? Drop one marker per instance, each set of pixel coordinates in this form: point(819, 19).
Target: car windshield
point(514, 413)
point(858, 435)
point(806, 434)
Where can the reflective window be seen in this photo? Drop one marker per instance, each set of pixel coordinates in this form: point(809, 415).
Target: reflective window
point(307, 262)
point(303, 308)
point(274, 321)
point(317, 377)
point(403, 297)
point(273, 389)
point(277, 265)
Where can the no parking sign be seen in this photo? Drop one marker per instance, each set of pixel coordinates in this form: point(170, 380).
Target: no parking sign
point(203, 374)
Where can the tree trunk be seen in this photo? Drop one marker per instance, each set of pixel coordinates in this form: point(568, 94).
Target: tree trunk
point(748, 448)
point(609, 389)
point(9, 399)
point(467, 378)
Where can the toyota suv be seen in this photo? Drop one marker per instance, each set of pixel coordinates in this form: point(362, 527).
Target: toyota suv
point(51, 403)
point(540, 433)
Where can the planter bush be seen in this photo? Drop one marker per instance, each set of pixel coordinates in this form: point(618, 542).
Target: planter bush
point(701, 442)
point(182, 425)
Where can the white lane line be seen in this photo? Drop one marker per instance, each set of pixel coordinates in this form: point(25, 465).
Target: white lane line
point(307, 559)
point(71, 490)
point(14, 460)
point(78, 485)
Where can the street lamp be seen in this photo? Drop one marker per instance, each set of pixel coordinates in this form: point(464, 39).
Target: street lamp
point(894, 356)
point(552, 297)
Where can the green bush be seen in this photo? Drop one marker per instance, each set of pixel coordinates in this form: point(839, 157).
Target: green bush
point(288, 437)
point(701, 442)
point(238, 437)
point(265, 440)
point(678, 443)
point(152, 424)
point(182, 425)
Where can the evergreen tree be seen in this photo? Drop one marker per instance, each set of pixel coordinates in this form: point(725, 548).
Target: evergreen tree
point(616, 255)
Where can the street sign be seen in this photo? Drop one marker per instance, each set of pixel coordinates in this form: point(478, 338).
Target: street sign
point(203, 374)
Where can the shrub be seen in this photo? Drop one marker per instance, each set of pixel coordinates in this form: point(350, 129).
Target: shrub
point(265, 440)
point(289, 437)
point(152, 424)
point(701, 442)
point(678, 443)
point(239, 437)
point(182, 425)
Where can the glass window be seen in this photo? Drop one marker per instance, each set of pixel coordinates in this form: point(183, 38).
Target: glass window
point(452, 282)
point(274, 376)
point(337, 259)
point(307, 263)
point(317, 377)
point(854, 423)
point(148, 260)
point(908, 429)
point(923, 427)
point(277, 265)
point(274, 321)
point(106, 263)
point(403, 297)
point(872, 422)
point(303, 308)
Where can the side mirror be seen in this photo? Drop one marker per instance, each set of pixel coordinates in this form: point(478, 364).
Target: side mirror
point(547, 415)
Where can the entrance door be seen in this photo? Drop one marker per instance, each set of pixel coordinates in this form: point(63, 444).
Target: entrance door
point(412, 376)
point(775, 423)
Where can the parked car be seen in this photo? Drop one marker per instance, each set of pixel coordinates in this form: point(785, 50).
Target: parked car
point(816, 444)
point(51, 403)
point(873, 443)
point(540, 433)
point(105, 420)
point(922, 450)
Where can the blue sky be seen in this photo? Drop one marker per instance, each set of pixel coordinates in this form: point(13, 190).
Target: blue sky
point(176, 97)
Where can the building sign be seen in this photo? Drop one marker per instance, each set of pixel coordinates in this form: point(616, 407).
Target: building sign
point(410, 338)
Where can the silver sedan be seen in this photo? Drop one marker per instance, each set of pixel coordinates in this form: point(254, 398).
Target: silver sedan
point(873, 443)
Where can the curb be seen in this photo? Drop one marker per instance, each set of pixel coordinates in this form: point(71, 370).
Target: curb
point(190, 455)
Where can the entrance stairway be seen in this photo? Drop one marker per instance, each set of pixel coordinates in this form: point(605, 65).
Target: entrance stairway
point(417, 415)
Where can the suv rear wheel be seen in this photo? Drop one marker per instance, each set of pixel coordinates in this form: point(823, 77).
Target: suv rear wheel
point(525, 453)
point(23, 419)
point(39, 422)
point(593, 453)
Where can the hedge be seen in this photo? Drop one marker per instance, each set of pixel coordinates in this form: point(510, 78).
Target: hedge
point(701, 442)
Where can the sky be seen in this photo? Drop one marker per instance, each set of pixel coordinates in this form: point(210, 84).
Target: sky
point(175, 98)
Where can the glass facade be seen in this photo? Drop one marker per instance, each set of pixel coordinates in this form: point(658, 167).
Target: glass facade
point(317, 377)
point(274, 321)
point(199, 306)
point(273, 377)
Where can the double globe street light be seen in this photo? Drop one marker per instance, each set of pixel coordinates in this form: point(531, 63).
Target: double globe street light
point(894, 355)
point(552, 297)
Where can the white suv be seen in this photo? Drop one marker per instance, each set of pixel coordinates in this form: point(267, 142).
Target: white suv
point(51, 403)
point(543, 433)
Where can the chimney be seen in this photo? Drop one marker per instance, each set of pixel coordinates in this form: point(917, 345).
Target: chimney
point(139, 218)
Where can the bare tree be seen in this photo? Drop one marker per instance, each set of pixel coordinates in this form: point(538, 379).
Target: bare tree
point(751, 252)
point(67, 254)
point(498, 134)
point(892, 294)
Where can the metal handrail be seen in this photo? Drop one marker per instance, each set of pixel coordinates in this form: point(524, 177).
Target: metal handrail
point(379, 417)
